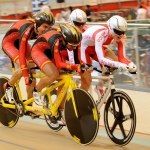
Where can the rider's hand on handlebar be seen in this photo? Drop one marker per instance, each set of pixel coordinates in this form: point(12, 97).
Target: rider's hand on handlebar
point(122, 66)
point(89, 68)
point(82, 68)
point(28, 81)
point(132, 67)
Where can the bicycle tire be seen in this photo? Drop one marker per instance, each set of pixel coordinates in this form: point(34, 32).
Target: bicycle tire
point(124, 134)
point(85, 128)
point(8, 116)
point(51, 122)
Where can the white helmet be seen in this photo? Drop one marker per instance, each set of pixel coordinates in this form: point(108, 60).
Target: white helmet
point(117, 25)
point(78, 17)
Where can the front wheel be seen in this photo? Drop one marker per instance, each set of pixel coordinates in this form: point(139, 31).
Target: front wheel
point(121, 124)
point(83, 128)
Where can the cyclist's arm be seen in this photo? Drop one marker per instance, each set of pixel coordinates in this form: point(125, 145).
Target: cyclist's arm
point(99, 40)
point(64, 54)
point(60, 64)
point(121, 52)
point(23, 49)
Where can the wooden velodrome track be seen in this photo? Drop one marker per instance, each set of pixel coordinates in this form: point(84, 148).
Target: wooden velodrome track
point(34, 134)
point(31, 136)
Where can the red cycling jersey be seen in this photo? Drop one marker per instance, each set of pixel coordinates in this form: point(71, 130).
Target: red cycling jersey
point(48, 48)
point(14, 37)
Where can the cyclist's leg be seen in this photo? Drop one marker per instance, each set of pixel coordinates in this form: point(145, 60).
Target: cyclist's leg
point(51, 73)
point(30, 88)
point(13, 55)
point(18, 72)
point(16, 75)
point(86, 78)
point(48, 68)
point(108, 53)
point(12, 52)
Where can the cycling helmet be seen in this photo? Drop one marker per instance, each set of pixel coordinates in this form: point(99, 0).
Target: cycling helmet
point(71, 34)
point(78, 17)
point(117, 25)
point(44, 17)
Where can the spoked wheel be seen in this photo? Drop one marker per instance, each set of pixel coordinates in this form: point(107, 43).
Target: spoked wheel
point(120, 128)
point(8, 116)
point(52, 121)
point(83, 128)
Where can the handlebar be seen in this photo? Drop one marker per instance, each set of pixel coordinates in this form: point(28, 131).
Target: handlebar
point(97, 70)
point(109, 69)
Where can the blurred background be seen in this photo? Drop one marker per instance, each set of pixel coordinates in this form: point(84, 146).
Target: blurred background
point(136, 12)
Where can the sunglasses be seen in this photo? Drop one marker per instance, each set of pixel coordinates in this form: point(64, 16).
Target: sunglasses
point(119, 32)
point(79, 23)
point(73, 44)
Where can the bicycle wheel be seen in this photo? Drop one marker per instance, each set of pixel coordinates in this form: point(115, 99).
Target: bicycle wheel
point(52, 121)
point(121, 126)
point(84, 128)
point(8, 116)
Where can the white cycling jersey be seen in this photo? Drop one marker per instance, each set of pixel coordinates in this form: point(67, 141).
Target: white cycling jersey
point(93, 44)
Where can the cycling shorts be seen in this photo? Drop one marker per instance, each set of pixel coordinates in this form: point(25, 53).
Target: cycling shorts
point(91, 53)
point(40, 58)
point(12, 51)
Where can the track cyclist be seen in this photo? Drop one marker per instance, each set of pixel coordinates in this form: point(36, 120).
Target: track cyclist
point(94, 45)
point(78, 19)
point(46, 53)
point(15, 45)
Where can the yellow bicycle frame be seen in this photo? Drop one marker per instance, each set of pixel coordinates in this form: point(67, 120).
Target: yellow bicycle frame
point(68, 84)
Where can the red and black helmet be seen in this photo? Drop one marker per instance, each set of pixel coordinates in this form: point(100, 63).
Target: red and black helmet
point(44, 17)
